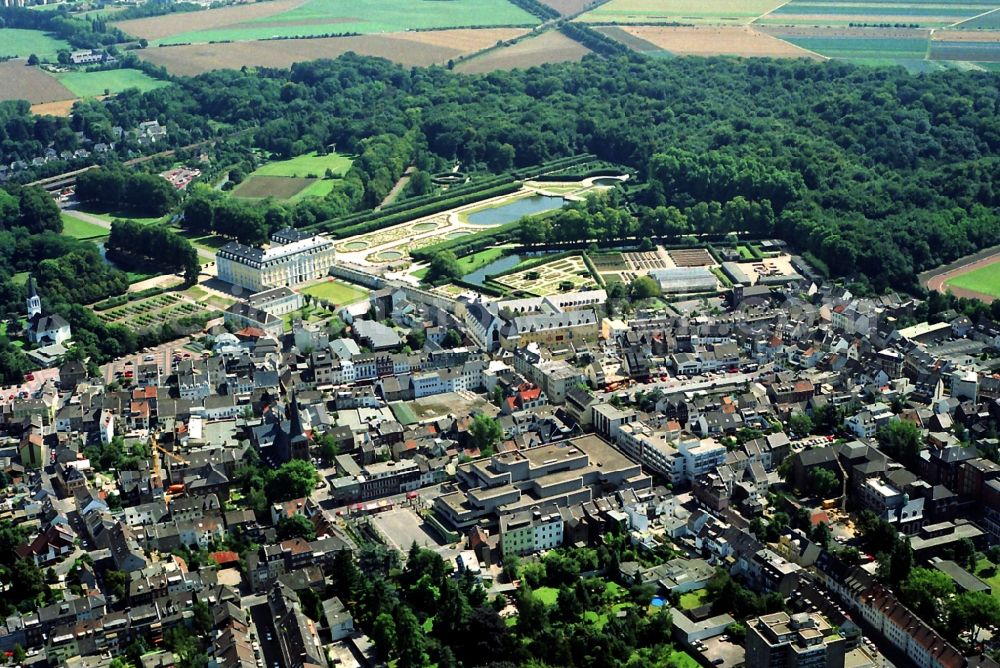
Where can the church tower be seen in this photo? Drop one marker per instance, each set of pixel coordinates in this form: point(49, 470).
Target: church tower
point(34, 302)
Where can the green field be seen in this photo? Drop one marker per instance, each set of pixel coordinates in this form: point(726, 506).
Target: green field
point(92, 84)
point(985, 280)
point(115, 215)
point(933, 13)
point(864, 48)
point(22, 43)
point(81, 229)
point(728, 12)
point(470, 263)
point(308, 165)
point(325, 17)
point(336, 292)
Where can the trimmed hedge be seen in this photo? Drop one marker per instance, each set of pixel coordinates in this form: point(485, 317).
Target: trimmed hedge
point(468, 244)
point(419, 212)
point(413, 202)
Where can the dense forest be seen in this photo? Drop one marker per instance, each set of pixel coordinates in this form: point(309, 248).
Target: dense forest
point(875, 171)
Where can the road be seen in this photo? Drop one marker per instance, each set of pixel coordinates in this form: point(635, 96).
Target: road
point(267, 635)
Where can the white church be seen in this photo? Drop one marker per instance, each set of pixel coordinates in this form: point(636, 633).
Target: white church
point(44, 329)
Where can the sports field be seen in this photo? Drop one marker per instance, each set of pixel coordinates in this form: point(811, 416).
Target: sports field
point(308, 165)
point(984, 280)
point(332, 17)
point(18, 43)
point(92, 84)
point(336, 292)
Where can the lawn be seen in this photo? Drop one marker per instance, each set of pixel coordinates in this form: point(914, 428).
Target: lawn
point(986, 571)
point(309, 165)
point(694, 599)
point(336, 292)
point(81, 229)
point(326, 17)
point(115, 215)
point(15, 42)
point(92, 84)
point(547, 595)
point(985, 280)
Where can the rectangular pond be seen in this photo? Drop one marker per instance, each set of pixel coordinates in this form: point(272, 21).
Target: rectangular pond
point(515, 210)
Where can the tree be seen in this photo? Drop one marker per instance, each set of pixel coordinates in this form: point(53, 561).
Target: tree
point(485, 433)
point(296, 526)
point(800, 424)
point(33, 60)
point(384, 633)
point(926, 590)
point(823, 483)
point(452, 339)
point(895, 566)
point(902, 441)
point(444, 266)
point(644, 287)
point(820, 534)
point(972, 611)
point(292, 480)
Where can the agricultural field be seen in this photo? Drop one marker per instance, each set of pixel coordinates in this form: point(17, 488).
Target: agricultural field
point(154, 28)
point(59, 108)
point(326, 17)
point(18, 43)
point(412, 48)
point(336, 292)
point(986, 21)
point(716, 41)
point(548, 278)
point(627, 38)
point(930, 14)
point(81, 229)
point(549, 47)
point(21, 82)
point(94, 84)
point(293, 179)
point(969, 46)
point(569, 7)
point(278, 187)
point(722, 12)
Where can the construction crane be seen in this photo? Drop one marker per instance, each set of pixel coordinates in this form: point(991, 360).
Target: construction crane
point(155, 450)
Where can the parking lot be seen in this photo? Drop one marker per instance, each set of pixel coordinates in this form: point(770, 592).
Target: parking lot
point(161, 355)
point(401, 527)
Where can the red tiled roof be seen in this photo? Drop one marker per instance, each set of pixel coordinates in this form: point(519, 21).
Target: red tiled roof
point(224, 557)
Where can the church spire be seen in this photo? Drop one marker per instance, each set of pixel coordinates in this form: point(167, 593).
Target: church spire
point(34, 302)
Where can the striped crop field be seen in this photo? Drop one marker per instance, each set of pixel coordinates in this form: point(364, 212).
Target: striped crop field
point(923, 13)
point(968, 51)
